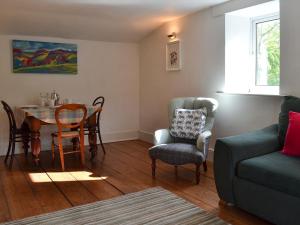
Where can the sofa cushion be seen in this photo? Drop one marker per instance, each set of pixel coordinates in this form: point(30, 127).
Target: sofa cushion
point(177, 153)
point(290, 103)
point(275, 170)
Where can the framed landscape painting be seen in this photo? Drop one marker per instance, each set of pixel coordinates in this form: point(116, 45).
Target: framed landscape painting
point(44, 57)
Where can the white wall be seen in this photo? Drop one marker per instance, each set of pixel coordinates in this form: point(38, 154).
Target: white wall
point(202, 37)
point(290, 47)
point(108, 69)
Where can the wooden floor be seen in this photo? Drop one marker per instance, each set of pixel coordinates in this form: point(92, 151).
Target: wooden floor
point(27, 190)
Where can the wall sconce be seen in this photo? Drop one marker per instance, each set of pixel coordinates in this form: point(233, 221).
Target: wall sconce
point(172, 36)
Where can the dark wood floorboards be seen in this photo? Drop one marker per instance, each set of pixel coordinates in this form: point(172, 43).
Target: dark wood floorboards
point(27, 190)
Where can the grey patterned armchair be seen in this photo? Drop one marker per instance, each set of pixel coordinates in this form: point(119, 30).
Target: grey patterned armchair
point(179, 151)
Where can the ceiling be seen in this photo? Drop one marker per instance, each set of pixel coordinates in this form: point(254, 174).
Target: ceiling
point(102, 20)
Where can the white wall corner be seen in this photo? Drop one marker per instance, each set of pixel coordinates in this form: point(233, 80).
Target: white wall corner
point(146, 136)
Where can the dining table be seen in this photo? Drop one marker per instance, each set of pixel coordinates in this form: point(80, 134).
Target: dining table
point(32, 118)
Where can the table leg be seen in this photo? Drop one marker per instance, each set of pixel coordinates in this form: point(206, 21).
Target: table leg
point(35, 126)
point(75, 141)
point(92, 135)
point(25, 137)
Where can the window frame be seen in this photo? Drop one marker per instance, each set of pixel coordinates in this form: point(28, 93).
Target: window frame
point(254, 22)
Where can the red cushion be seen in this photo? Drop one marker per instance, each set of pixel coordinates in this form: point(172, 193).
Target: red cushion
point(292, 139)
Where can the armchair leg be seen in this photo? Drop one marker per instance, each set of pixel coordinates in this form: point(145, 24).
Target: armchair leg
point(197, 173)
point(153, 167)
point(205, 166)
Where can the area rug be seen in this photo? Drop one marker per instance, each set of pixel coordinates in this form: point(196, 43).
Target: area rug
point(151, 206)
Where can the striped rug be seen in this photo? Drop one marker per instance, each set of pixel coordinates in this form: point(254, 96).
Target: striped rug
point(152, 206)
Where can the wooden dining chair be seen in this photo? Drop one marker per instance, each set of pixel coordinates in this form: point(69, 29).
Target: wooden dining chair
point(99, 101)
point(15, 135)
point(62, 134)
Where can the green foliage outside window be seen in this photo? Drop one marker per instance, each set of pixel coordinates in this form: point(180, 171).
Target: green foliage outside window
point(268, 53)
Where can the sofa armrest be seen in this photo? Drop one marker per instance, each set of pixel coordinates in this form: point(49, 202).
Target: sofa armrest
point(231, 150)
point(162, 136)
point(203, 142)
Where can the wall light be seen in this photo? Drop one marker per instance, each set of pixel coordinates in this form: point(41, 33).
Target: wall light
point(172, 36)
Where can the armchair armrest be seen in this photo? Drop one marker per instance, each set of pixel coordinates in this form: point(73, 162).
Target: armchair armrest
point(231, 150)
point(203, 142)
point(162, 136)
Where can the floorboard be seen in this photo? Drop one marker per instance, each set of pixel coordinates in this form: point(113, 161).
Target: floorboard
point(28, 190)
point(19, 195)
point(45, 191)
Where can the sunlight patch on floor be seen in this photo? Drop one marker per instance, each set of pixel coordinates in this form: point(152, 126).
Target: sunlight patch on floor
point(64, 176)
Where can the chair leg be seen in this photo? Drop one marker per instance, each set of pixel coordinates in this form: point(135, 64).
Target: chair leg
point(153, 167)
point(9, 148)
point(205, 166)
point(100, 139)
point(53, 150)
point(61, 153)
point(82, 150)
point(176, 171)
point(197, 173)
point(12, 156)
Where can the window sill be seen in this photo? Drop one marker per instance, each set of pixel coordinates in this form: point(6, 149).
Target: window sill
point(250, 94)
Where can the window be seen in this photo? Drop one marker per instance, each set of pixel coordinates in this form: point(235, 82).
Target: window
point(253, 50)
point(267, 50)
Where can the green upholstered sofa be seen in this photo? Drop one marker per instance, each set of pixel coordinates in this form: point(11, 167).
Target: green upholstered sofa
point(252, 173)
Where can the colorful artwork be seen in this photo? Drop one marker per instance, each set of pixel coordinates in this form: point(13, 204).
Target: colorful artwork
point(44, 57)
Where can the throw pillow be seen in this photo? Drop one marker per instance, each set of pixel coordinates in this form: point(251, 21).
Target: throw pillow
point(188, 123)
point(292, 141)
point(290, 103)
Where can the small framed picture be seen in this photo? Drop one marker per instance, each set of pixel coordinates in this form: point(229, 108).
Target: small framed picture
point(173, 57)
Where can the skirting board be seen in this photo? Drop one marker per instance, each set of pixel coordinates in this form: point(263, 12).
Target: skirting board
point(120, 136)
point(106, 137)
point(148, 137)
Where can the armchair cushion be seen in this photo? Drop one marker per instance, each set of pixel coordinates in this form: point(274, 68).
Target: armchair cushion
point(177, 153)
point(163, 136)
point(274, 170)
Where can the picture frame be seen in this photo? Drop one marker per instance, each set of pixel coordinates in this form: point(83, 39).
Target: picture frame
point(44, 57)
point(173, 56)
